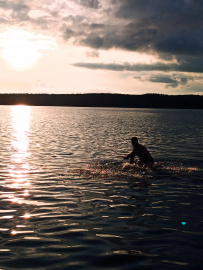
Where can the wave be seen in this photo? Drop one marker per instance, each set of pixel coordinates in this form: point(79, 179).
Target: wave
point(109, 169)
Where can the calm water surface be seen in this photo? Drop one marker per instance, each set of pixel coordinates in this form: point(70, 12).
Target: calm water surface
point(69, 201)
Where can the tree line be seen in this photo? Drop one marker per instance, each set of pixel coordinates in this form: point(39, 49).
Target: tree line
point(105, 100)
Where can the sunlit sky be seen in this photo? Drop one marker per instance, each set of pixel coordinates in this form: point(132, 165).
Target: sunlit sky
point(101, 46)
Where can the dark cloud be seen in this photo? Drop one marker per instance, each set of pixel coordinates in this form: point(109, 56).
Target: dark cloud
point(97, 26)
point(162, 79)
point(182, 67)
point(171, 80)
point(69, 33)
point(95, 4)
point(122, 36)
point(169, 29)
point(177, 24)
point(152, 9)
point(184, 43)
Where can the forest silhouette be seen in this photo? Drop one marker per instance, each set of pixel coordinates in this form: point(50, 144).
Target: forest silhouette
point(105, 100)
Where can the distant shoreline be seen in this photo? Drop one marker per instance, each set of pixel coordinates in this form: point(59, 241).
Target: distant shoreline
point(105, 100)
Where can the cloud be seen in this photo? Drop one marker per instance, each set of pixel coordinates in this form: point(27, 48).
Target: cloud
point(162, 79)
point(13, 5)
point(196, 67)
point(163, 27)
point(184, 43)
point(94, 4)
point(93, 54)
point(173, 80)
point(164, 75)
point(167, 28)
point(69, 33)
point(170, 30)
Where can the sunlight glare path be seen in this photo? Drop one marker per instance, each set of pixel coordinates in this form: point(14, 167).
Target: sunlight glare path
point(19, 166)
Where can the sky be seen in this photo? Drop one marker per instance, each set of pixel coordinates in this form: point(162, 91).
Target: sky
point(101, 46)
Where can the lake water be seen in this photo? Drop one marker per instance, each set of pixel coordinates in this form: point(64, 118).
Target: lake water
point(69, 201)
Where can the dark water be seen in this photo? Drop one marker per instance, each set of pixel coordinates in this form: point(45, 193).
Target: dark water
point(68, 201)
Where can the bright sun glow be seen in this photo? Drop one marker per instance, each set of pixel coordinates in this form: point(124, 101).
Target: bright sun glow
point(21, 49)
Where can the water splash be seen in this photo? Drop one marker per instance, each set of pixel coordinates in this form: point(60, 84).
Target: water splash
point(112, 170)
point(123, 170)
point(174, 167)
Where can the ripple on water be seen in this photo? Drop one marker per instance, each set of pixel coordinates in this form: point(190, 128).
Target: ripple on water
point(75, 227)
point(63, 207)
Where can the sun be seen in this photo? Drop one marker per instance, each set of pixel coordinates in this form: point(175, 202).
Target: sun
point(21, 49)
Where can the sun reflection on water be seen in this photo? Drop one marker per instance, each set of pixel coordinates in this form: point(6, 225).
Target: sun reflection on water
point(19, 166)
point(21, 124)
